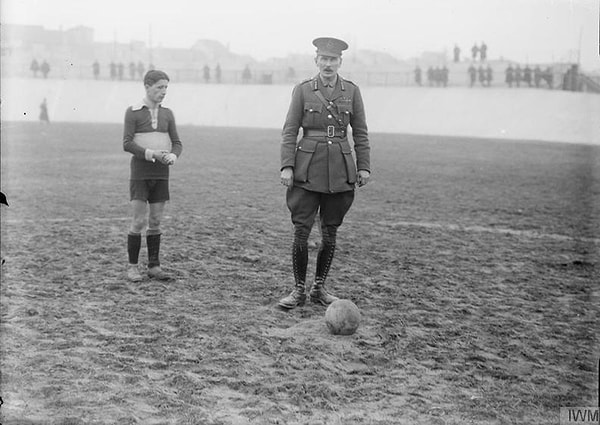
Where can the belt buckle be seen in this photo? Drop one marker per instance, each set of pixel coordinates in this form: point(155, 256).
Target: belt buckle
point(330, 131)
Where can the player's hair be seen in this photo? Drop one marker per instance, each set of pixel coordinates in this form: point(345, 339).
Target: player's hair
point(153, 76)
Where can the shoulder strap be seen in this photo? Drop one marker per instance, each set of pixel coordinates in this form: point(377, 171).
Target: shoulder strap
point(330, 107)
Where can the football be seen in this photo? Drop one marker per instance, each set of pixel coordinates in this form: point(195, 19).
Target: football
point(342, 317)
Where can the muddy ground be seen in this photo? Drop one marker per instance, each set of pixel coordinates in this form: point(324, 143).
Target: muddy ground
point(475, 264)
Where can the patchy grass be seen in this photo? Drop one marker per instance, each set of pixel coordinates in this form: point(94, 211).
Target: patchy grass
point(474, 264)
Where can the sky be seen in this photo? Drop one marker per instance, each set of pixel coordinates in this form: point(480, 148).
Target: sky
point(521, 30)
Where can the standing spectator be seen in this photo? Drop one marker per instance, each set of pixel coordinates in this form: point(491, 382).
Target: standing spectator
point(436, 76)
point(474, 52)
point(246, 75)
point(430, 76)
point(537, 76)
point(489, 75)
point(96, 69)
point(483, 52)
point(44, 118)
point(113, 70)
point(510, 75)
point(481, 75)
point(472, 75)
point(140, 70)
point(150, 135)
point(444, 75)
point(120, 70)
point(456, 53)
point(3, 201)
point(206, 73)
point(566, 80)
point(34, 67)
point(218, 73)
point(45, 68)
point(549, 77)
point(518, 75)
point(571, 80)
point(132, 70)
point(418, 75)
point(527, 75)
point(319, 171)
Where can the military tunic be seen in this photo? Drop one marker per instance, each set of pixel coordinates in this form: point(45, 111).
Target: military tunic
point(323, 160)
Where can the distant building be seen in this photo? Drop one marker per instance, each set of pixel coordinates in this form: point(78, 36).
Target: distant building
point(70, 53)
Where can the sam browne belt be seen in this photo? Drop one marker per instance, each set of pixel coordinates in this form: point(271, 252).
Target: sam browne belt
point(330, 132)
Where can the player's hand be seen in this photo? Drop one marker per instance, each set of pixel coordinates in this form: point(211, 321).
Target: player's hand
point(287, 177)
point(170, 158)
point(363, 177)
point(160, 156)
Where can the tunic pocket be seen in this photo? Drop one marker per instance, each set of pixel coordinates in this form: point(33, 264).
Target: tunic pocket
point(312, 112)
point(345, 113)
point(349, 160)
point(304, 153)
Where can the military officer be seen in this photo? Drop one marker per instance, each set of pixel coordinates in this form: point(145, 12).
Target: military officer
point(322, 170)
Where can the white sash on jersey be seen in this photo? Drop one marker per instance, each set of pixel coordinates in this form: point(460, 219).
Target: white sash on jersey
point(155, 140)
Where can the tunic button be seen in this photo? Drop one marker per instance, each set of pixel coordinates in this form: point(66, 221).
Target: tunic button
point(329, 116)
point(329, 142)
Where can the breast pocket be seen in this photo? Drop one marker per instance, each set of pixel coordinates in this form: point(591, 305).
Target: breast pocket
point(304, 153)
point(312, 114)
point(345, 111)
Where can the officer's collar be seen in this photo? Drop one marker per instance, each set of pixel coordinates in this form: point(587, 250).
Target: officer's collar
point(327, 84)
point(338, 79)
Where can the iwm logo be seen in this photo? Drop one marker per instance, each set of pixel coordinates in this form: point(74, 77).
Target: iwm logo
point(579, 415)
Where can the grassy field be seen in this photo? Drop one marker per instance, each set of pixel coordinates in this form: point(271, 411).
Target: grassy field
point(475, 264)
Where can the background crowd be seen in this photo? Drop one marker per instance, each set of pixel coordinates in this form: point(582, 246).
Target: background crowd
point(480, 72)
point(475, 69)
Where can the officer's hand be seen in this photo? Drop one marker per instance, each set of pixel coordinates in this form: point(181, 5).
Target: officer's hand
point(363, 177)
point(287, 176)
